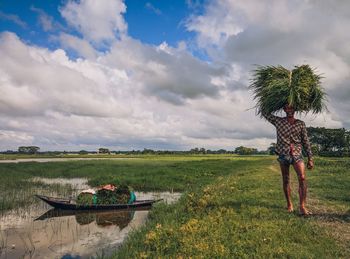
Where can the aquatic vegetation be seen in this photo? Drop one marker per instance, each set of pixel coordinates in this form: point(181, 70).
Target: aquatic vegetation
point(19, 192)
point(166, 173)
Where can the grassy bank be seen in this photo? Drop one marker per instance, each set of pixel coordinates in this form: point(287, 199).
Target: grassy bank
point(242, 215)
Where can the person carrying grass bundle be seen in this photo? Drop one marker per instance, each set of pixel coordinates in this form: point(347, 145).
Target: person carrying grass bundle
point(299, 90)
point(291, 137)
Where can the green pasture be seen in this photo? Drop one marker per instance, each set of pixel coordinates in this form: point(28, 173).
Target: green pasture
point(232, 206)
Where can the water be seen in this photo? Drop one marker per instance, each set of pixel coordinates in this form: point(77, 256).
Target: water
point(41, 232)
point(45, 160)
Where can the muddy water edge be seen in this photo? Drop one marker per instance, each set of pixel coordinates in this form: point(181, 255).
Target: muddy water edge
point(38, 231)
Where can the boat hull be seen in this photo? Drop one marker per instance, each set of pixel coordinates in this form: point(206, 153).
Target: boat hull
point(68, 204)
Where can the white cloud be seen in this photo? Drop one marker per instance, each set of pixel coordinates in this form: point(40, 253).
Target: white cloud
point(13, 18)
point(225, 18)
point(152, 8)
point(45, 20)
point(14, 139)
point(35, 80)
point(80, 46)
point(115, 100)
point(170, 74)
point(289, 33)
point(97, 21)
point(134, 95)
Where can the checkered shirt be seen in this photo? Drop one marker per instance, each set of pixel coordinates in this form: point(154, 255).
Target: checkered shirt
point(290, 137)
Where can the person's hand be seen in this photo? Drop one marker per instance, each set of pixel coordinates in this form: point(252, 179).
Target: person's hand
point(310, 164)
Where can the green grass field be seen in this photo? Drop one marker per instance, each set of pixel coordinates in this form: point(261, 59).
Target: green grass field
point(232, 207)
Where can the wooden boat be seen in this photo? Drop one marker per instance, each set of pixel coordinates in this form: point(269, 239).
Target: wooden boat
point(70, 204)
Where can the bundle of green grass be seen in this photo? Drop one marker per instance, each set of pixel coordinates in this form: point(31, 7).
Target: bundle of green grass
point(121, 194)
point(86, 199)
point(276, 86)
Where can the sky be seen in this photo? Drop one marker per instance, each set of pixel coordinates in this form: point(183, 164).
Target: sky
point(164, 75)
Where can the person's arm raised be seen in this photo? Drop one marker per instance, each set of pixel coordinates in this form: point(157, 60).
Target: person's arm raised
point(269, 117)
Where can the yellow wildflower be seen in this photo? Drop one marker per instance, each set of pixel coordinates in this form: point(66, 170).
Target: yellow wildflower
point(150, 236)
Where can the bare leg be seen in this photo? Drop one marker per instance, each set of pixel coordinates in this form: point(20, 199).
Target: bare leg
point(286, 185)
point(300, 170)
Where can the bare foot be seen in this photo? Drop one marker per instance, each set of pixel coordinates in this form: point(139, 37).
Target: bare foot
point(290, 208)
point(305, 212)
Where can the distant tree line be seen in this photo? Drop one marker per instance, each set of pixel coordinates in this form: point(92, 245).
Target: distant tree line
point(28, 149)
point(241, 150)
point(103, 150)
point(324, 142)
point(198, 151)
point(329, 142)
point(194, 151)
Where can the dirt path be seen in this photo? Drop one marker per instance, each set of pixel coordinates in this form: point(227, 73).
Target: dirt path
point(335, 219)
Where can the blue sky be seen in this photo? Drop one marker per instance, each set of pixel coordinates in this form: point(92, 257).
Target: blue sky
point(134, 74)
point(152, 22)
point(30, 30)
point(157, 21)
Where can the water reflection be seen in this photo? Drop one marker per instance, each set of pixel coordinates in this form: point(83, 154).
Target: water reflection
point(59, 233)
point(101, 218)
point(41, 232)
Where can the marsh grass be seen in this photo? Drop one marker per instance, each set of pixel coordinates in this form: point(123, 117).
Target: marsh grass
point(17, 191)
point(148, 173)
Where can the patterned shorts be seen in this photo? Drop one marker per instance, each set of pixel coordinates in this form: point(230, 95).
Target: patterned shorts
point(289, 159)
